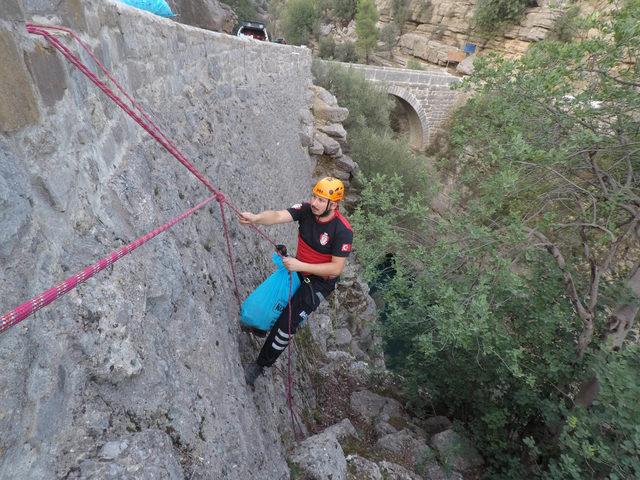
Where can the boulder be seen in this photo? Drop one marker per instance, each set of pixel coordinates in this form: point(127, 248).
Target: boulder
point(466, 66)
point(329, 145)
point(359, 468)
point(329, 113)
point(342, 430)
point(342, 337)
point(434, 471)
point(209, 14)
point(316, 148)
point(414, 450)
point(347, 164)
point(393, 471)
point(320, 457)
point(372, 406)
point(456, 451)
point(335, 130)
point(437, 424)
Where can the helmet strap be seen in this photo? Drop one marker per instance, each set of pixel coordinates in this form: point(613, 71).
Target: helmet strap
point(326, 212)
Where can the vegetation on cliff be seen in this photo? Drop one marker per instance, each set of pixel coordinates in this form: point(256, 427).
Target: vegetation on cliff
point(514, 307)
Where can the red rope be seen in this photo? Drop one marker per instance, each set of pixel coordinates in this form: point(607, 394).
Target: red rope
point(45, 298)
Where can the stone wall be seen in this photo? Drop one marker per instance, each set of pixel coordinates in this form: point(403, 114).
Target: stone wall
point(137, 373)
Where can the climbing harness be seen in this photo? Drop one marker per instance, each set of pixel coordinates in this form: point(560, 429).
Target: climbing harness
point(138, 114)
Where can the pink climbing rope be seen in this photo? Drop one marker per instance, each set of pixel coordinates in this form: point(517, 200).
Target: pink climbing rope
point(45, 298)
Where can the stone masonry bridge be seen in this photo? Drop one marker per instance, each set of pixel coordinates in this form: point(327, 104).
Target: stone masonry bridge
point(425, 97)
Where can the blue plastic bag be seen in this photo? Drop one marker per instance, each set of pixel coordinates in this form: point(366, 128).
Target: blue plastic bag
point(159, 7)
point(265, 304)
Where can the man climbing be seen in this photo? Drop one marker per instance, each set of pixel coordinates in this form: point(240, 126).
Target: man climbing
point(324, 243)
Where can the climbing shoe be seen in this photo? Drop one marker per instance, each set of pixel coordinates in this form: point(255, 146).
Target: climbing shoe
point(252, 372)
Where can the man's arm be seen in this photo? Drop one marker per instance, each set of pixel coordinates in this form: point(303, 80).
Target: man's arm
point(328, 269)
point(268, 217)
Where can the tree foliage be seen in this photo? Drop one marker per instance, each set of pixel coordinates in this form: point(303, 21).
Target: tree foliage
point(527, 288)
point(366, 29)
point(300, 20)
point(490, 15)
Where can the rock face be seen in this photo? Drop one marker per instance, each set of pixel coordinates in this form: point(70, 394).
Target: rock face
point(137, 373)
point(321, 457)
point(209, 14)
point(329, 142)
point(433, 29)
point(456, 451)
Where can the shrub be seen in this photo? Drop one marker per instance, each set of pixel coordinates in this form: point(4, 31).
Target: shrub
point(327, 47)
point(389, 36)
point(490, 15)
point(369, 105)
point(244, 9)
point(346, 52)
point(300, 20)
point(413, 64)
point(366, 29)
point(343, 10)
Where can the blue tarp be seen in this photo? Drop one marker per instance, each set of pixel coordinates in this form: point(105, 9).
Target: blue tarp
point(159, 7)
point(263, 307)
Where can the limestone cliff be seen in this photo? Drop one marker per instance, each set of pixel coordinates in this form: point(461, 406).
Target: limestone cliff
point(434, 28)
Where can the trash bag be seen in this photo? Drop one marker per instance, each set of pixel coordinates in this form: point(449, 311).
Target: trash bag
point(265, 304)
point(159, 7)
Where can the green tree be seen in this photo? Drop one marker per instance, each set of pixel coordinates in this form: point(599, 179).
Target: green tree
point(389, 36)
point(491, 15)
point(343, 10)
point(346, 52)
point(244, 9)
point(366, 29)
point(327, 47)
point(300, 19)
point(515, 307)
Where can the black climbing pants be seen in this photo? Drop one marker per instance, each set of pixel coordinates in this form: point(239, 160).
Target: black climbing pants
point(313, 290)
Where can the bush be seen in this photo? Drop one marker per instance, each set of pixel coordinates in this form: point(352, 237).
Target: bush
point(300, 20)
point(343, 10)
point(386, 155)
point(346, 52)
point(366, 27)
point(490, 15)
point(369, 106)
point(413, 64)
point(327, 47)
point(389, 36)
point(567, 25)
point(244, 9)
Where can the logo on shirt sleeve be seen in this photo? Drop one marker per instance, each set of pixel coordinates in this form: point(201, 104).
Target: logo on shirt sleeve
point(297, 206)
point(346, 247)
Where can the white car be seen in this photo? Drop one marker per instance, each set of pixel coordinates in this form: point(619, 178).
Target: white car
point(255, 30)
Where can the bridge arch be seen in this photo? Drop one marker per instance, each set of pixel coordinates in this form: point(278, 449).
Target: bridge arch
point(415, 114)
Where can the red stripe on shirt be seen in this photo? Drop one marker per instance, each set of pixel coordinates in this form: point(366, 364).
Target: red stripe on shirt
point(308, 255)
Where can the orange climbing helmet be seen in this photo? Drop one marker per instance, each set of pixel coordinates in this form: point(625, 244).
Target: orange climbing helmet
point(330, 188)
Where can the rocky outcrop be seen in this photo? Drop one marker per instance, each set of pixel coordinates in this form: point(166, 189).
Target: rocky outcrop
point(209, 14)
point(326, 139)
point(456, 451)
point(434, 30)
point(321, 457)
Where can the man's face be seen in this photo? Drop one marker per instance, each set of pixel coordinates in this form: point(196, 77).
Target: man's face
point(319, 205)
